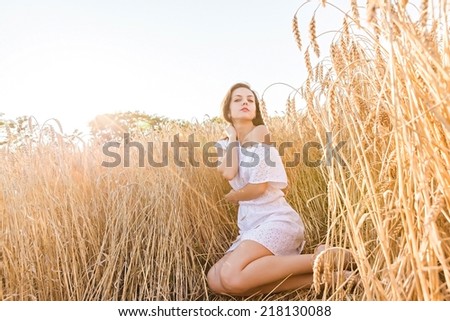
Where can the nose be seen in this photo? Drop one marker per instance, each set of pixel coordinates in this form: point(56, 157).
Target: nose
point(245, 103)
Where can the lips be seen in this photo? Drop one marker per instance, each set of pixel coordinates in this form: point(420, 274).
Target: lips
point(245, 109)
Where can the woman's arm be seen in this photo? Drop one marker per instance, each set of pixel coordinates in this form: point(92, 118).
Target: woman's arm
point(259, 134)
point(247, 193)
point(251, 191)
point(228, 163)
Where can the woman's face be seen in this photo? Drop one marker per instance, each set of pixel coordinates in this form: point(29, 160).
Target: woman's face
point(242, 106)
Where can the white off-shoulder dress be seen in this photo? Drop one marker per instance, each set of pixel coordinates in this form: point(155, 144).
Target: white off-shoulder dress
point(268, 219)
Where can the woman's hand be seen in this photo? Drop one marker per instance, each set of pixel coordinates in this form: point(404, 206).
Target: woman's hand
point(247, 193)
point(230, 131)
point(231, 197)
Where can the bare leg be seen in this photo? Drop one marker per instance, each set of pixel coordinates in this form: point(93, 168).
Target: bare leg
point(213, 276)
point(252, 268)
point(295, 282)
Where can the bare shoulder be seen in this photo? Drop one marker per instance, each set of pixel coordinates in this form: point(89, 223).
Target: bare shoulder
point(259, 134)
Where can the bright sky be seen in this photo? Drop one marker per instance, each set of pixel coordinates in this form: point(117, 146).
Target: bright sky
point(73, 60)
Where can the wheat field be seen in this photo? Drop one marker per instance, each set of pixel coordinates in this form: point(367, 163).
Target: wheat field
point(72, 229)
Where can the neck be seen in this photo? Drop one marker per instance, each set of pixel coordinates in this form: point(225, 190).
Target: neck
point(242, 129)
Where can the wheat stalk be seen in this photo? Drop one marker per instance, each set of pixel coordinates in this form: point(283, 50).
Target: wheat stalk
point(355, 12)
point(296, 32)
point(312, 36)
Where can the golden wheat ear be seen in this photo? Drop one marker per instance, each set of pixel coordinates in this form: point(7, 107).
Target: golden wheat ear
point(330, 268)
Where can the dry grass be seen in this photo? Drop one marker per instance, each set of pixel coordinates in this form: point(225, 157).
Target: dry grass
point(74, 230)
point(389, 100)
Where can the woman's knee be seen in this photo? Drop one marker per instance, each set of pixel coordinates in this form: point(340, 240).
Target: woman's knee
point(213, 280)
point(232, 282)
point(221, 282)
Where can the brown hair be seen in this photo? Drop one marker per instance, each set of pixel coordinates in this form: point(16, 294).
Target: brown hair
point(258, 120)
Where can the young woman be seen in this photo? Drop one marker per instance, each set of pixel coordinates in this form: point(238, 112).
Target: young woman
point(265, 257)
